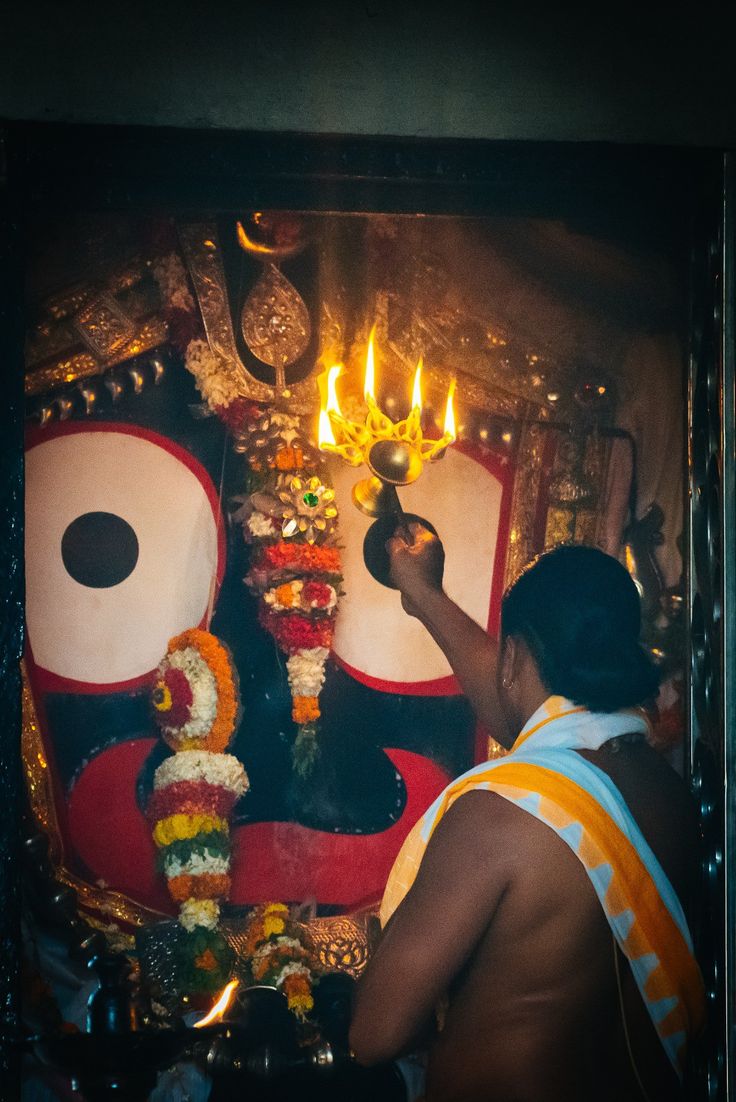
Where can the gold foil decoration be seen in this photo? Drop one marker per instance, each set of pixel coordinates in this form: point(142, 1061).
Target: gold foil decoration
point(107, 904)
point(104, 327)
point(83, 365)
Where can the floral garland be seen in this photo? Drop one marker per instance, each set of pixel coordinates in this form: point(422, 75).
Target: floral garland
point(295, 573)
point(278, 958)
point(195, 703)
point(290, 519)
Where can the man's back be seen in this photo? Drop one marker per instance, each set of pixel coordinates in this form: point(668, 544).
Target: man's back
point(535, 1012)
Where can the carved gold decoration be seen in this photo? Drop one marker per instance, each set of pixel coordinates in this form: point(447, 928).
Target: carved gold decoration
point(530, 458)
point(83, 365)
point(338, 943)
point(104, 327)
point(110, 904)
point(204, 260)
point(38, 778)
point(343, 942)
point(560, 526)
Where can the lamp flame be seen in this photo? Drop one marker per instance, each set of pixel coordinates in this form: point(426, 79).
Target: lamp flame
point(416, 397)
point(369, 385)
point(325, 434)
point(328, 403)
point(332, 376)
point(217, 1012)
point(449, 428)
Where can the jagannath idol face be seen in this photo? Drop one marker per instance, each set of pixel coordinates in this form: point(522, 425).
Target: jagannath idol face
point(128, 545)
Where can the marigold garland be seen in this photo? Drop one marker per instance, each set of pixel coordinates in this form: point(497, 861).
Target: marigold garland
point(196, 704)
point(295, 574)
point(278, 957)
point(186, 714)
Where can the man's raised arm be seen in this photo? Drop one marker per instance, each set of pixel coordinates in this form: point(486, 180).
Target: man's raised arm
point(416, 568)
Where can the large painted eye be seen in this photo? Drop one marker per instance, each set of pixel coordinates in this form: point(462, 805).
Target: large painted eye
point(123, 550)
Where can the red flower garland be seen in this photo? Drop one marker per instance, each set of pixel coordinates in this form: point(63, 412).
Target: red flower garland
point(295, 633)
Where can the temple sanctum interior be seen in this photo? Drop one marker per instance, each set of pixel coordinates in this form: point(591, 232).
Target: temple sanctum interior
point(251, 370)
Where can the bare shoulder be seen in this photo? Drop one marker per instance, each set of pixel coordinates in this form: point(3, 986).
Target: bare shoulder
point(499, 836)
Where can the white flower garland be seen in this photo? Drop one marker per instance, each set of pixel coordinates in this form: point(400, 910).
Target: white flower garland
point(222, 770)
point(214, 376)
point(267, 948)
point(196, 865)
point(199, 912)
point(306, 671)
point(260, 525)
point(203, 684)
point(271, 598)
point(293, 968)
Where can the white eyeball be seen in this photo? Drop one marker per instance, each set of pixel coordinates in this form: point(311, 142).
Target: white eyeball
point(124, 547)
point(466, 497)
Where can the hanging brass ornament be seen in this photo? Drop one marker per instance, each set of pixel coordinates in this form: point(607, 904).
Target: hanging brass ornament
point(275, 321)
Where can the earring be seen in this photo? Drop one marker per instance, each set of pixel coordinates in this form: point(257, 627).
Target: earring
point(507, 682)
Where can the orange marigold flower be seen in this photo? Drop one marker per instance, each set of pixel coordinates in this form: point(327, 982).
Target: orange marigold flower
point(289, 459)
point(297, 984)
point(206, 962)
point(285, 595)
point(207, 885)
point(305, 709)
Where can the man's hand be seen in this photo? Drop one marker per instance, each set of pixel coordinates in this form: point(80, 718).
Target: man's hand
point(416, 567)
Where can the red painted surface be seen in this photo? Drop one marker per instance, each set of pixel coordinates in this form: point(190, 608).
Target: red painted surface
point(272, 860)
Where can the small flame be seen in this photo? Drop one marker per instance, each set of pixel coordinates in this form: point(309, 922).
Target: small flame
point(332, 376)
point(450, 429)
point(217, 1012)
point(325, 434)
point(416, 397)
point(328, 403)
point(369, 386)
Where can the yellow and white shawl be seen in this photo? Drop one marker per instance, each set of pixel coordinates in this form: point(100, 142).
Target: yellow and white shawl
point(543, 776)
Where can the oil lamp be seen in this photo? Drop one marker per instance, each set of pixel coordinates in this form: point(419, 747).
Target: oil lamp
point(395, 453)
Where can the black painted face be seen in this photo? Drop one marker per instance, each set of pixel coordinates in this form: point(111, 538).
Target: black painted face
point(125, 539)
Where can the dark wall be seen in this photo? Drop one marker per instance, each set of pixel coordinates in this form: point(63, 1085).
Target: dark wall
point(459, 69)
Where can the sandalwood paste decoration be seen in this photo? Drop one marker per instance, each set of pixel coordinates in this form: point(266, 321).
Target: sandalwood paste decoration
point(196, 705)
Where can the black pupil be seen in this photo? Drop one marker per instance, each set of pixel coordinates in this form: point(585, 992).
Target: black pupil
point(99, 550)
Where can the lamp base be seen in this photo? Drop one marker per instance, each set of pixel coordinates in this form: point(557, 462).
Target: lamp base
point(375, 555)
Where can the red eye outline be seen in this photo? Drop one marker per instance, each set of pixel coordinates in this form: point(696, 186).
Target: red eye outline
point(44, 680)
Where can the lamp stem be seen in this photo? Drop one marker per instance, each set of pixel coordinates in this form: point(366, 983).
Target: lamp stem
point(398, 511)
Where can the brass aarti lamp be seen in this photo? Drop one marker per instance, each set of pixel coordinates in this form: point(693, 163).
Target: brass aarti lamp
point(394, 452)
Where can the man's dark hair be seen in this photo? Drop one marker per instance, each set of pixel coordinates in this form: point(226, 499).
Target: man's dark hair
point(579, 613)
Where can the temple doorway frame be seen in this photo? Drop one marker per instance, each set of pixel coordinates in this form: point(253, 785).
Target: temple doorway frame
point(125, 168)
